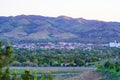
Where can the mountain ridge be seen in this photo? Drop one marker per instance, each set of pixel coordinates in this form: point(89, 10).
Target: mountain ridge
point(61, 28)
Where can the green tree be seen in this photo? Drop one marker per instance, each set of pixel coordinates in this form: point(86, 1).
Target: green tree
point(35, 77)
point(6, 75)
point(117, 67)
point(6, 56)
point(14, 75)
point(79, 62)
point(42, 77)
point(107, 64)
point(1, 59)
point(26, 75)
point(50, 76)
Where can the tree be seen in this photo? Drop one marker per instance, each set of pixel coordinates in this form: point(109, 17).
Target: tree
point(14, 75)
point(26, 75)
point(35, 77)
point(6, 75)
point(42, 77)
point(50, 76)
point(117, 67)
point(0, 58)
point(6, 56)
point(79, 62)
point(107, 64)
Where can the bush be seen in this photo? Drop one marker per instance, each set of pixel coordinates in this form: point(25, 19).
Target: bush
point(16, 63)
point(29, 64)
point(107, 64)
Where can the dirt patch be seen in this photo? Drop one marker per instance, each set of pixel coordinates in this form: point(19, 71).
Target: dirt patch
point(89, 75)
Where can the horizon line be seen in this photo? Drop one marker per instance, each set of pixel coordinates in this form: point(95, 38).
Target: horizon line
point(56, 17)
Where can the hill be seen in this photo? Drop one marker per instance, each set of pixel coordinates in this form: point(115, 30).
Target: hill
point(62, 28)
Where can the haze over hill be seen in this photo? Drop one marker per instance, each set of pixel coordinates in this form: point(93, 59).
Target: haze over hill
point(62, 28)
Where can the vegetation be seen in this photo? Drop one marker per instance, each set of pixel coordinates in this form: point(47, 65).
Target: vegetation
point(6, 58)
point(15, 76)
point(111, 68)
point(106, 59)
point(54, 57)
point(40, 28)
point(26, 75)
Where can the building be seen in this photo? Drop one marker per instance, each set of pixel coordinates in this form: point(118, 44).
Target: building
point(114, 44)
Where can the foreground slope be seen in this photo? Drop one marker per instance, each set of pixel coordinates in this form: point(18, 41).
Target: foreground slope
point(89, 75)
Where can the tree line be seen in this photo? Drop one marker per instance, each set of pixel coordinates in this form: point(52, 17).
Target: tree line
point(63, 57)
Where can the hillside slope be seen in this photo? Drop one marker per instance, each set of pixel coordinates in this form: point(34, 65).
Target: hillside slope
point(62, 28)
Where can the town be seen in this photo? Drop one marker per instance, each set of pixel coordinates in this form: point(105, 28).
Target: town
point(59, 45)
point(63, 45)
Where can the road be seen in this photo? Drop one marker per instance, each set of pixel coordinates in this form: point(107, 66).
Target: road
point(56, 68)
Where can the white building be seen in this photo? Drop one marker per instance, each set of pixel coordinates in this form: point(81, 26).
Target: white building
point(114, 44)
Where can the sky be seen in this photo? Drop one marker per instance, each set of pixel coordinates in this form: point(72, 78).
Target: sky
point(106, 10)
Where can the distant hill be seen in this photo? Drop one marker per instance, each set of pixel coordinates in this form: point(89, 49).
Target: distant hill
point(62, 28)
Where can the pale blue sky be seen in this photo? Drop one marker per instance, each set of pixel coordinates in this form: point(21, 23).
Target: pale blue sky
point(107, 10)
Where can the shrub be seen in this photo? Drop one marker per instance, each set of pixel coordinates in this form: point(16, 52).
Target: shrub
point(16, 63)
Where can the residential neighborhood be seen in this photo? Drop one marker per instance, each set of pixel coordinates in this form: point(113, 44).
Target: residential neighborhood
point(59, 45)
